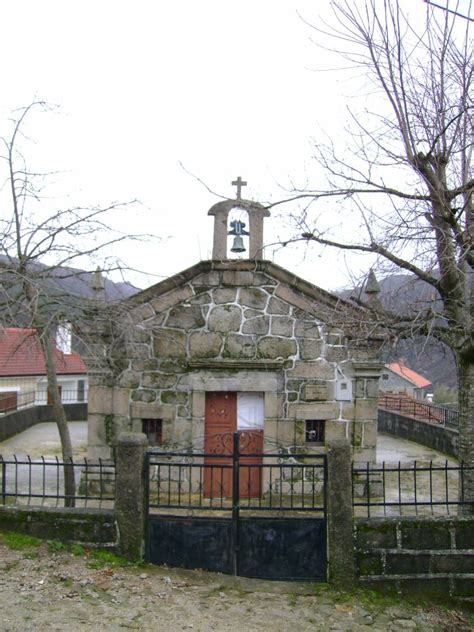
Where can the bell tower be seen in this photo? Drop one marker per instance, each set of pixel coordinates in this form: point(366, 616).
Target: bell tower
point(256, 212)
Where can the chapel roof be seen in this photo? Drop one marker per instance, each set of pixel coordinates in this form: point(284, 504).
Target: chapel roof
point(241, 265)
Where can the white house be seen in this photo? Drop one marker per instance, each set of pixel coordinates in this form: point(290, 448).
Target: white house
point(23, 374)
point(398, 378)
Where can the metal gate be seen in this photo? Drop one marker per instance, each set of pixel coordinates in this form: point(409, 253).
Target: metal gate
point(279, 533)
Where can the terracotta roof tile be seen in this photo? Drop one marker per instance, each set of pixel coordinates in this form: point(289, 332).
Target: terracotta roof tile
point(20, 354)
point(412, 376)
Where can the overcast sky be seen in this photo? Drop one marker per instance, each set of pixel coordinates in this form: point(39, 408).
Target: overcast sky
point(145, 88)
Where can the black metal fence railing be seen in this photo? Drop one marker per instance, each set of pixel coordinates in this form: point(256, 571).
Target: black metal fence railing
point(40, 482)
point(420, 410)
point(202, 482)
point(12, 400)
point(409, 488)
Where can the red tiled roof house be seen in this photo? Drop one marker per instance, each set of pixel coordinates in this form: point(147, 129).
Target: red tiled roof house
point(398, 378)
point(23, 373)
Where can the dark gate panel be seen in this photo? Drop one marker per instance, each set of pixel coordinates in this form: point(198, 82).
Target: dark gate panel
point(282, 548)
point(190, 542)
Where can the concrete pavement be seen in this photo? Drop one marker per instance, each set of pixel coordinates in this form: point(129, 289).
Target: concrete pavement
point(43, 440)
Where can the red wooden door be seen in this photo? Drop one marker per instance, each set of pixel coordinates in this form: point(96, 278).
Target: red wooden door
point(250, 442)
point(220, 425)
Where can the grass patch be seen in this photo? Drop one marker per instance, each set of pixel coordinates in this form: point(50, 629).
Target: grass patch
point(77, 549)
point(370, 597)
point(54, 546)
point(102, 557)
point(342, 597)
point(97, 558)
point(20, 541)
point(292, 600)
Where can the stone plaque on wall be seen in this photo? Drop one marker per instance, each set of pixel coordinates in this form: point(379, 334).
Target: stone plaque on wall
point(316, 392)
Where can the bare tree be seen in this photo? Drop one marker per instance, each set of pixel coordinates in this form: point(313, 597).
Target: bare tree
point(454, 10)
point(404, 170)
point(37, 246)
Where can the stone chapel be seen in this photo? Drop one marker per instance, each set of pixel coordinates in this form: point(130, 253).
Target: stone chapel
point(231, 345)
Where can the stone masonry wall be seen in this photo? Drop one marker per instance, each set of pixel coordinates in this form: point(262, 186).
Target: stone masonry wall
point(433, 555)
point(234, 329)
point(91, 527)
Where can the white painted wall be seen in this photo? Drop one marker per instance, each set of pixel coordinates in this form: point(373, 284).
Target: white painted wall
point(69, 386)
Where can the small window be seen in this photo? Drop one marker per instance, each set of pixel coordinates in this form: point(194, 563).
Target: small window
point(153, 429)
point(81, 390)
point(384, 376)
point(314, 431)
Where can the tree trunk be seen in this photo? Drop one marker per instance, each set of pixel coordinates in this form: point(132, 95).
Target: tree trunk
point(465, 367)
point(59, 415)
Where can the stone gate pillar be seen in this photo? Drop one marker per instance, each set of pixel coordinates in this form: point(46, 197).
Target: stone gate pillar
point(130, 494)
point(341, 552)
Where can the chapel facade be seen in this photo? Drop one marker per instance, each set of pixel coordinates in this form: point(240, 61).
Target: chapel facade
point(230, 345)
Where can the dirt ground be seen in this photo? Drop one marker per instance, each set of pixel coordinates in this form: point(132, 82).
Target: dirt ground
point(44, 587)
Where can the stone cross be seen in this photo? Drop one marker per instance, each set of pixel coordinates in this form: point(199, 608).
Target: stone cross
point(239, 183)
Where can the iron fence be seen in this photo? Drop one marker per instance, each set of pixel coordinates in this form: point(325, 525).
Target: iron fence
point(420, 410)
point(11, 401)
point(203, 482)
point(40, 482)
point(68, 396)
point(409, 488)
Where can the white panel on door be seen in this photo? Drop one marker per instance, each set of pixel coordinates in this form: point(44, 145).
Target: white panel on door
point(250, 410)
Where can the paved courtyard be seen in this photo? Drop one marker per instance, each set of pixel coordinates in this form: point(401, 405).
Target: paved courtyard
point(43, 440)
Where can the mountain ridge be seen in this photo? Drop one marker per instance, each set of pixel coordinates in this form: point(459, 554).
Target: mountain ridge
point(427, 356)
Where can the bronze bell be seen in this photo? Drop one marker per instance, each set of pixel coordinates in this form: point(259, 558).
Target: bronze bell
point(238, 229)
point(238, 245)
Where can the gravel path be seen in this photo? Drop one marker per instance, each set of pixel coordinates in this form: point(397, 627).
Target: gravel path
point(44, 591)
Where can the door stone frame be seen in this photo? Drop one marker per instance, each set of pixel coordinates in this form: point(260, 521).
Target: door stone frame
point(266, 382)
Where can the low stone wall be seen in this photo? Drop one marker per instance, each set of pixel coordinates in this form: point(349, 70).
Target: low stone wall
point(429, 555)
point(431, 435)
point(91, 527)
point(19, 420)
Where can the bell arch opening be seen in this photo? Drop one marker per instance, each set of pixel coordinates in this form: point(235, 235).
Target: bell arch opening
point(238, 235)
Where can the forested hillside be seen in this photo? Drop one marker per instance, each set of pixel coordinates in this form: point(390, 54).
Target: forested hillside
point(402, 293)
